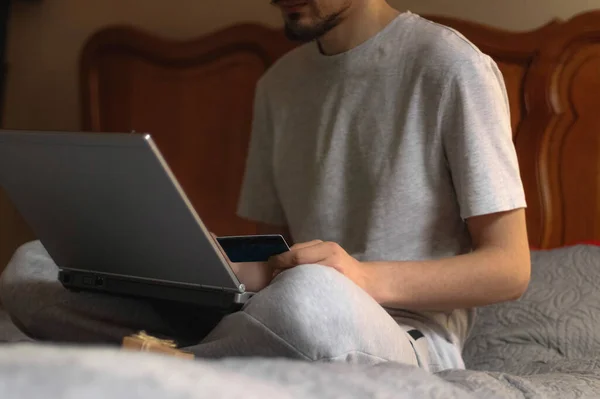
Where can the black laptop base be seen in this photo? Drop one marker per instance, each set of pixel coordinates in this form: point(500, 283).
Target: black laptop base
point(75, 280)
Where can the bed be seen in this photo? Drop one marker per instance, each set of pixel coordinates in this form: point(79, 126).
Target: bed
point(195, 98)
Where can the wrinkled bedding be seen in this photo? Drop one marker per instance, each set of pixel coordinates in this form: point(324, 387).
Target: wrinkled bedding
point(558, 318)
point(8, 331)
point(546, 345)
point(50, 372)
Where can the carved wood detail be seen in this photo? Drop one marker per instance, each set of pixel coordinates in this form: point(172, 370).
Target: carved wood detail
point(552, 77)
point(195, 98)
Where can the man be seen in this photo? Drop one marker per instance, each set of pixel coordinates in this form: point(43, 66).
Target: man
point(383, 145)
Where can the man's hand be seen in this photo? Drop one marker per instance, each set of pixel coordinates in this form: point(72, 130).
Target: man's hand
point(322, 253)
point(254, 275)
point(497, 270)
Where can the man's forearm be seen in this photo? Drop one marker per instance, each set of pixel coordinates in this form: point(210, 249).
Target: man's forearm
point(476, 279)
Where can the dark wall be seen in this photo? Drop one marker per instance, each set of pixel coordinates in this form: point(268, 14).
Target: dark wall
point(4, 15)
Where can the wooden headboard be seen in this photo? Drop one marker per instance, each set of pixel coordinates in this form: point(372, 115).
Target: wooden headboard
point(196, 98)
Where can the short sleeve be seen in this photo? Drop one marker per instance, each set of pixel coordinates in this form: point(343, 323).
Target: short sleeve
point(477, 138)
point(258, 199)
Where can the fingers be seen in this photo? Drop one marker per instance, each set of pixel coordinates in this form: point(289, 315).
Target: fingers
point(254, 275)
point(257, 277)
point(308, 254)
point(305, 244)
point(274, 262)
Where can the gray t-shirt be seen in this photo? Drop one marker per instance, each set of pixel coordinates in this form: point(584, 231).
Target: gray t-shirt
point(385, 149)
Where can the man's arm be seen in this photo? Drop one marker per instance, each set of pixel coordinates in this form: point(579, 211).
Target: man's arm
point(474, 123)
point(497, 270)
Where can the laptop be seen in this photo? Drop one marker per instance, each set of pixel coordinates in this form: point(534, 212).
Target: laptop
point(113, 217)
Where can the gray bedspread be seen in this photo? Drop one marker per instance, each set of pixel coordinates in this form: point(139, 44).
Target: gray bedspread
point(546, 345)
point(50, 372)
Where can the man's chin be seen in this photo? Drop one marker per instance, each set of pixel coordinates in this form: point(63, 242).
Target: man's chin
point(300, 33)
point(297, 29)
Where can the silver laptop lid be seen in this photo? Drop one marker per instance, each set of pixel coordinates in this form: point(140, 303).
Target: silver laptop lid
point(108, 203)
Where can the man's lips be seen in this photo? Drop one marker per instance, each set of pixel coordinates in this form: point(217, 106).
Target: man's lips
point(291, 5)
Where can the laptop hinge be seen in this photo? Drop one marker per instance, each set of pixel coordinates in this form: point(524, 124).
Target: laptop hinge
point(242, 289)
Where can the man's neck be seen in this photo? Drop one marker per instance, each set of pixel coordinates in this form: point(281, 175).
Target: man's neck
point(358, 26)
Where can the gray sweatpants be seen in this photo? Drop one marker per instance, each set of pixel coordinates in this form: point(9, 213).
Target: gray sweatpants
point(310, 312)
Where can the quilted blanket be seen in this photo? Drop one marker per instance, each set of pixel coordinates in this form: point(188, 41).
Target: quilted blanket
point(28, 372)
point(546, 345)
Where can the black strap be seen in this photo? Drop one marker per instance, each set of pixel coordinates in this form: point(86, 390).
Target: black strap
point(415, 334)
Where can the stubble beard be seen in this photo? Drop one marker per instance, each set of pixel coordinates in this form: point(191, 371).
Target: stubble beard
point(296, 32)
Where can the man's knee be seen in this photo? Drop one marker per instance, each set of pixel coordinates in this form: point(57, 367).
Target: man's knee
point(27, 283)
point(306, 289)
point(9, 279)
point(315, 309)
